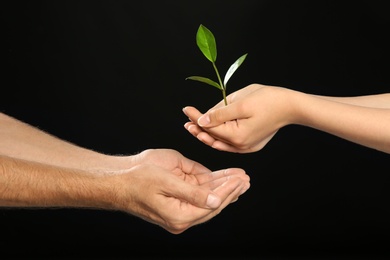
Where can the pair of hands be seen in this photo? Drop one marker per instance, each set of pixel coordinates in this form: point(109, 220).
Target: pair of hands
point(179, 205)
point(255, 114)
point(182, 193)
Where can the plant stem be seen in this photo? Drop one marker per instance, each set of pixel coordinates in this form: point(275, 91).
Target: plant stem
point(220, 83)
point(224, 96)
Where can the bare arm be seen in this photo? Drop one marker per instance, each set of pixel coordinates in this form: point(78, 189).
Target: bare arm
point(24, 141)
point(364, 120)
point(257, 112)
point(31, 184)
point(374, 101)
point(173, 201)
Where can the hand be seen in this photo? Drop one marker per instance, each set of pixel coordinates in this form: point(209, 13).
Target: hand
point(252, 117)
point(168, 159)
point(180, 198)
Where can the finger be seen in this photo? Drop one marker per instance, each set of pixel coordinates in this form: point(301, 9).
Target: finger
point(202, 135)
point(218, 116)
point(204, 195)
point(192, 113)
point(199, 133)
point(226, 193)
point(196, 195)
point(231, 190)
point(209, 140)
point(192, 128)
point(206, 138)
point(226, 147)
point(216, 178)
point(220, 132)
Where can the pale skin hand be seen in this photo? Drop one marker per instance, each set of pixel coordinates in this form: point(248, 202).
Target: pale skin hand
point(256, 112)
point(160, 186)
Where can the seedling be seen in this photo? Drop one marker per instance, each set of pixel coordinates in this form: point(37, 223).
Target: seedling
point(207, 44)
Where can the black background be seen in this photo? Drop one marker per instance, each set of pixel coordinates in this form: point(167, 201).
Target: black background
point(110, 76)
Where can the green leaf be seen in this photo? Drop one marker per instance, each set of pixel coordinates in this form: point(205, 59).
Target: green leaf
point(206, 43)
point(205, 80)
point(233, 68)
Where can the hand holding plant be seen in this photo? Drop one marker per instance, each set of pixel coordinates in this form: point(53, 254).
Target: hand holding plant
point(207, 44)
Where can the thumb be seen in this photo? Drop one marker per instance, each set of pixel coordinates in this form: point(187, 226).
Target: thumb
point(198, 196)
point(219, 116)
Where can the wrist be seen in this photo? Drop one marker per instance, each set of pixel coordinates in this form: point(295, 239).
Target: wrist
point(295, 107)
point(285, 105)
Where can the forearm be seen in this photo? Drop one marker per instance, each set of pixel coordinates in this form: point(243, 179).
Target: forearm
point(31, 184)
point(374, 101)
point(367, 125)
point(23, 141)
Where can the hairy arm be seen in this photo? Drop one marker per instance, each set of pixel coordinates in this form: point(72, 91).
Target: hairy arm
point(31, 184)
point(20, 140)
point(173, 201)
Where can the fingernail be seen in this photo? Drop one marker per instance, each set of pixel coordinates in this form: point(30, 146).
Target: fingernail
point(204, 120)
point(184, 110)
point(213, 201)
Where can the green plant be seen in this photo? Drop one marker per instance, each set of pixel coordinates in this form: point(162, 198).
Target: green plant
point(207, 44)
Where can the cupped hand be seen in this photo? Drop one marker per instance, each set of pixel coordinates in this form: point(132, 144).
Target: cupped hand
point(179, 199)
point(252, 117)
